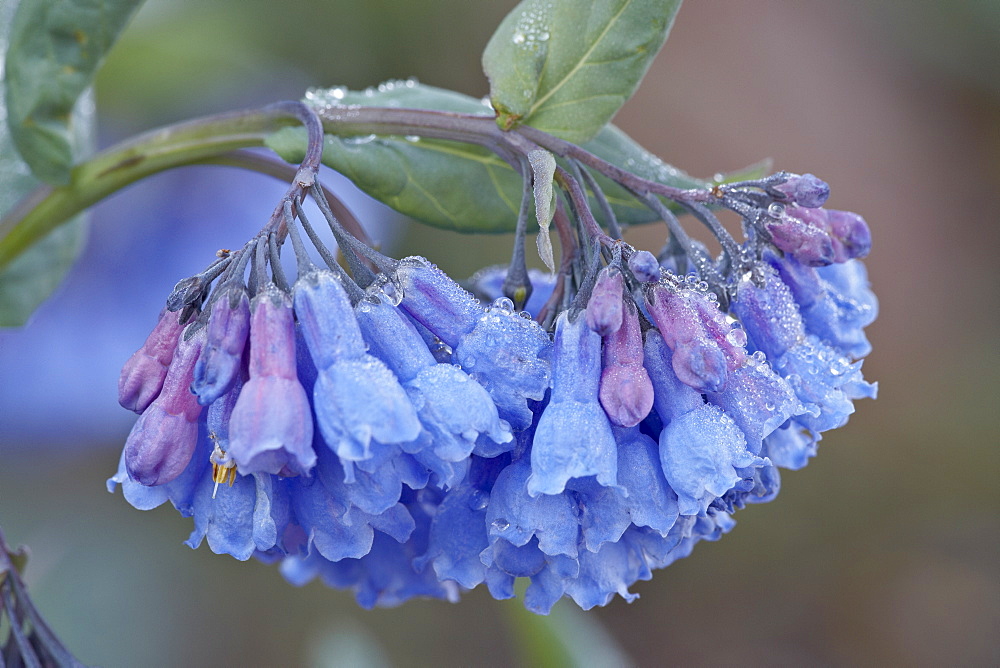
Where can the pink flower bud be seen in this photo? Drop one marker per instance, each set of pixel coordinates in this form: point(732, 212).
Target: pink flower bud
point(626, 392)
point(143, 373)
point(604, 310)
point(162, 441)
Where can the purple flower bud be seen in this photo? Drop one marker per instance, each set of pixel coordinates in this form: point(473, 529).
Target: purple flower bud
point(436, 301)
point(805, 190)
point(604, 310)
point(143, 373)
point(272, 425)
point(850, 233)
point(698, 360)
point(226, 336)
point(162, 441)
point(626, 392)
point(644, 267)
point(801, 233)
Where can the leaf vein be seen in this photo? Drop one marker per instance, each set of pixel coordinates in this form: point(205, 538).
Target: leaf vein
point(580, 63)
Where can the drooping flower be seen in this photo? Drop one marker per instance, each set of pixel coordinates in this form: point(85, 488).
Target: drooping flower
point(271, 425)
point(573, 437)
point(389, 434)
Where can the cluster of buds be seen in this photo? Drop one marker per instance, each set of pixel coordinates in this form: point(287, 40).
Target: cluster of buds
point(397, 434)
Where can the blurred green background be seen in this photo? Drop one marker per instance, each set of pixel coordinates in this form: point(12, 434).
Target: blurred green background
point(883, 551)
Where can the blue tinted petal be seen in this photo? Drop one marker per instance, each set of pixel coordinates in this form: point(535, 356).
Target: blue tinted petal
point(516, 517)
point(457, 537)
point(573, 438)
point(359, 401)
point(506, 354)
point(651, 502)
point(227, 521)
point(700, 452)
point(603, 512)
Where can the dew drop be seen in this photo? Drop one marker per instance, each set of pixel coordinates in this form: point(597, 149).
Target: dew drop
point(776, 209)
point(504, 304)
point(479, 500)
point(500, 524)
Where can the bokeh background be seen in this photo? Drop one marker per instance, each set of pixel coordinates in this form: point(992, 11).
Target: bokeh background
point(883, 551)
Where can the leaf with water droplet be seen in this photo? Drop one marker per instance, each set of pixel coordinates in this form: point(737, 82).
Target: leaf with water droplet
point(567, 66)
point(459, 186)
point(54, 50)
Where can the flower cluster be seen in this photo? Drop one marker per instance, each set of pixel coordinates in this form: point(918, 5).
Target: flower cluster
point(394, 434)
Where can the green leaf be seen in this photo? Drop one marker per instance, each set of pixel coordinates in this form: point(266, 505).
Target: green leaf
point(55, 48)
point(567, 66)
point(452, 185)
point(30, 279)
point(447, 184)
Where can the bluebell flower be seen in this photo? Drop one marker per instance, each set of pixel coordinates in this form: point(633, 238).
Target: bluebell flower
point(359, 402)
point(701, 447)
point(835, 302)
point(334, 526)
point(455, 410)
point(651, 502)
point(387, 433)
point(823, 379)
point(458, 530)
point(487, 285)
point(249, 516)
point(271, 428)
point(573, 437)
point(504, 352)
point(386, 574)
point(609, 571)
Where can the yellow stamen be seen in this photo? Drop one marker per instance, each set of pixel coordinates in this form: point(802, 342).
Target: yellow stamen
point(223, 467)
